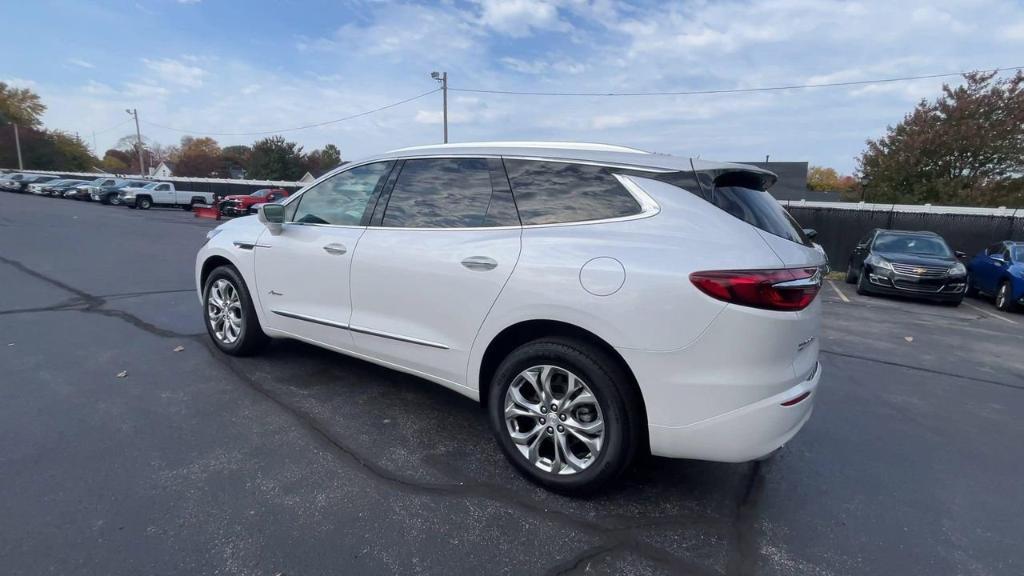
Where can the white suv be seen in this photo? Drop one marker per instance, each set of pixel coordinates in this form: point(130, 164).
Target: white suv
point(597, 300)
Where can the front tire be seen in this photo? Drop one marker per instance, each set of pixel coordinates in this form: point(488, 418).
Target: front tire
point(565, 414)
point(229, 314)
point(143, 203)
point(114, 200)
point(1004, 297)
point(851, 276)
point(862, 282)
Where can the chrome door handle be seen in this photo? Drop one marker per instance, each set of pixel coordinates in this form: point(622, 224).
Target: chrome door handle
point(335, 249)
point(480, 263)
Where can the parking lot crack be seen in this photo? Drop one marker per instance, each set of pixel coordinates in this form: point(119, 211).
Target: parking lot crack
point(497, 494)
point(924, 369)
point(743, 554)
point(88, 303)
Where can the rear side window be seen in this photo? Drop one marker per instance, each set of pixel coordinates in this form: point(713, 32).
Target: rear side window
point(556, 192)
point(440, 193)
point(736, 194)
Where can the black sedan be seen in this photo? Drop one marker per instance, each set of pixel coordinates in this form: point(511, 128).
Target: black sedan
point(917, 264)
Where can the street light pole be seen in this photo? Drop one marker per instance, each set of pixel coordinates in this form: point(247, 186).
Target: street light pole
point(138, 141)
point(17, 144)
point(442, 77)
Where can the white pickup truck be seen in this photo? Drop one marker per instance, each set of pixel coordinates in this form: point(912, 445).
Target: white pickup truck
point(163, 194)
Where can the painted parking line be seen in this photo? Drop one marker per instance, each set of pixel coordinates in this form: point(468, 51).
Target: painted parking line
point(838, 291)
point(983, 311)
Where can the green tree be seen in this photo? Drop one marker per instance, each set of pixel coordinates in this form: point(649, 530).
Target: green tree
point(965, 147)
point(236, 156)
point(46, 150)
point(330, 156)
point(275, 158)
point(116, 161)
point(20, 106)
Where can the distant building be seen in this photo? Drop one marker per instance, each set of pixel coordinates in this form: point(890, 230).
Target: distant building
point(163, 170)
point(307, 178)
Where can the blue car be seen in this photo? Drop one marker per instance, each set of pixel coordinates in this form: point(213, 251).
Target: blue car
point(999, 271)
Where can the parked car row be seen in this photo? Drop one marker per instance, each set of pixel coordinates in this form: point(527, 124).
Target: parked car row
point(143, 194)
point(922, 265)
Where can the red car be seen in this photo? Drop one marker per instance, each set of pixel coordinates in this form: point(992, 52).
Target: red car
point(239, 204)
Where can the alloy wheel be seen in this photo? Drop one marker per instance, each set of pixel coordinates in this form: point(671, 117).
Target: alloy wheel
point(224, 311)
point(554, 419)
point(1002, 296)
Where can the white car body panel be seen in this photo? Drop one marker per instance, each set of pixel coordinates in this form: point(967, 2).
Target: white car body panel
point(299, 277)
point(411, 283)
point(713, 375)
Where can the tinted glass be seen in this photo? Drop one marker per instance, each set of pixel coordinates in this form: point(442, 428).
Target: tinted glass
point(440, 193)
point(910, 244)
point(341, 199)
point(759, 209)
point(553, 192)
point(1017, 252)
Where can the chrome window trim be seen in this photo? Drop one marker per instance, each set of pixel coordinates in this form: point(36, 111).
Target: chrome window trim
point(648, 206)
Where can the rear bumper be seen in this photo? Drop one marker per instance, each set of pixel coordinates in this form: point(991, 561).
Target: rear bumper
point(744, 434)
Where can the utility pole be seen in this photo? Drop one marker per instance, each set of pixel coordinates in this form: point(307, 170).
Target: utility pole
point(17, 144)
point(442, 77)
point(138, 141)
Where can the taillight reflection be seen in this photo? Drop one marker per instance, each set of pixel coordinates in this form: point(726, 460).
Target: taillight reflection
point(784, 289)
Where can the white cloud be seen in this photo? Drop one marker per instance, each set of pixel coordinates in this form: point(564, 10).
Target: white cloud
point(81, 63)
point(518, 18)
point(175, 72)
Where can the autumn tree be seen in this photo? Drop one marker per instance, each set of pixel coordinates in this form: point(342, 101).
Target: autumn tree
point(198, 157)
point(275, 158)
point(965, 147)
point(822, 179)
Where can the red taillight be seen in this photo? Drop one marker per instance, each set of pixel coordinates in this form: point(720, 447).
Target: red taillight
point(786, 289)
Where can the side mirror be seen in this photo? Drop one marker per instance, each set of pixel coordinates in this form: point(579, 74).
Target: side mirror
point(959, 254)
point(272, 216)
point(811, 233)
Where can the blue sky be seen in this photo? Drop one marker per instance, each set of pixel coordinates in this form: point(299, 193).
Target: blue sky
point(217, 66)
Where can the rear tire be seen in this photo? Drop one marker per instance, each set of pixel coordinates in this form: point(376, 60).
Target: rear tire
point(565, 441)
point(229, 315)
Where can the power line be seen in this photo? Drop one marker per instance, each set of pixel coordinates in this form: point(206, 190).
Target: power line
point(733, 90)
point(118, 125)
point(293, 129)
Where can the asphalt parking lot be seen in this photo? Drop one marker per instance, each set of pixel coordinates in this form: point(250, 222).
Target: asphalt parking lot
point(303, 462)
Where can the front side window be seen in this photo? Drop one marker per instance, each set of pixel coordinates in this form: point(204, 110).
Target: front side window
point(163, 187)
point(440, 193)
point(556, 192)
point(340, 200)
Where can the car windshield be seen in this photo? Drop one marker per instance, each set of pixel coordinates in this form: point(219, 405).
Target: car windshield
point(910, 244)
point(99, 181)
point(151, 185)
point(260, 193)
